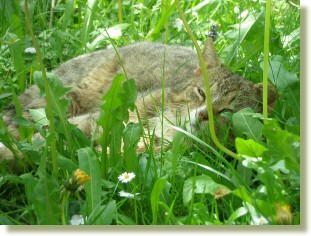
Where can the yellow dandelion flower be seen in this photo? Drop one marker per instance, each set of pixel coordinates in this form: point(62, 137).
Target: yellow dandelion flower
point(81, 177)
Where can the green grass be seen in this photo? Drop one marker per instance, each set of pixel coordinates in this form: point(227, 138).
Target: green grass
point(190, 183)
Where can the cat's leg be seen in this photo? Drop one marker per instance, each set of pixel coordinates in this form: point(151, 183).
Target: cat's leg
point(87, 123)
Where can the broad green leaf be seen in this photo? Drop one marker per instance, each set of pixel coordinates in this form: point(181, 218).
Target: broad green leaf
point(66, 164)
point(279, 76)
point(252, 26)
point(177, 143)
point(56, 85)
point(292, 97)
point(149, 167)
point(109, 212)
point(89, 163)
point(126, 98)
point(46, 200)
point(236, 214)
point(111, 102)
point(20, 120)
point(291, 38)
point(80, 140)
point(5, 95)
point(293, 125)
point(29, 183)
point(282, 145)
point(104, 214)
point(124, 219)
point(59, 104)
point(67, 14)
point(243, 194)
point(131, 137)
point(249, 147)
point(201, 184)
point(128, 94)
point(156, 193)
point(36, 145)
point(116, 130)
point(245, 170)
point(6, 220)
point(115, 111)
point(247, 126)
point(39, 116)
point(241, 30)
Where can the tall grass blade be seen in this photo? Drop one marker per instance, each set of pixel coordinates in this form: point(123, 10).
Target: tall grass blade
point(88, 18)
point(13, 14)
point(67, 14)
point(161, 23)
point(266, 59)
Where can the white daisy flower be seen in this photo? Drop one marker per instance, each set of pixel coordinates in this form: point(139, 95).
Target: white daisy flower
point(126, 177)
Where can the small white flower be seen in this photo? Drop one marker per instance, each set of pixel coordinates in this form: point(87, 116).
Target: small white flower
point(127, 195)
point(31, 50)
point(178, 24)
point(236, 10)
point(77, 220)
point(138, 8)
point(259, 220)
point(114, 33)
point(126, 177)
point(243, 14)
point(194, 14)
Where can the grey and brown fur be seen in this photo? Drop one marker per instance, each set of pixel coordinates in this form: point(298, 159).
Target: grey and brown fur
point(91, 76)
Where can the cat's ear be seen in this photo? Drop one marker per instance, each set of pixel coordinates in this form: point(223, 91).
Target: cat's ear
point(211, 58)
point(271, 94)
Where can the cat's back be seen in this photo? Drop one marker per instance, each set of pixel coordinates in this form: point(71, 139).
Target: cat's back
point(149, 63)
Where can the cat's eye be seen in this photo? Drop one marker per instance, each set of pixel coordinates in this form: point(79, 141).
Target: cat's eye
point(201, 92)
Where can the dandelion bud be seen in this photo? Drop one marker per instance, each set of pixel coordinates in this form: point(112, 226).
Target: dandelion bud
point(283, 214)
point(78, 178)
